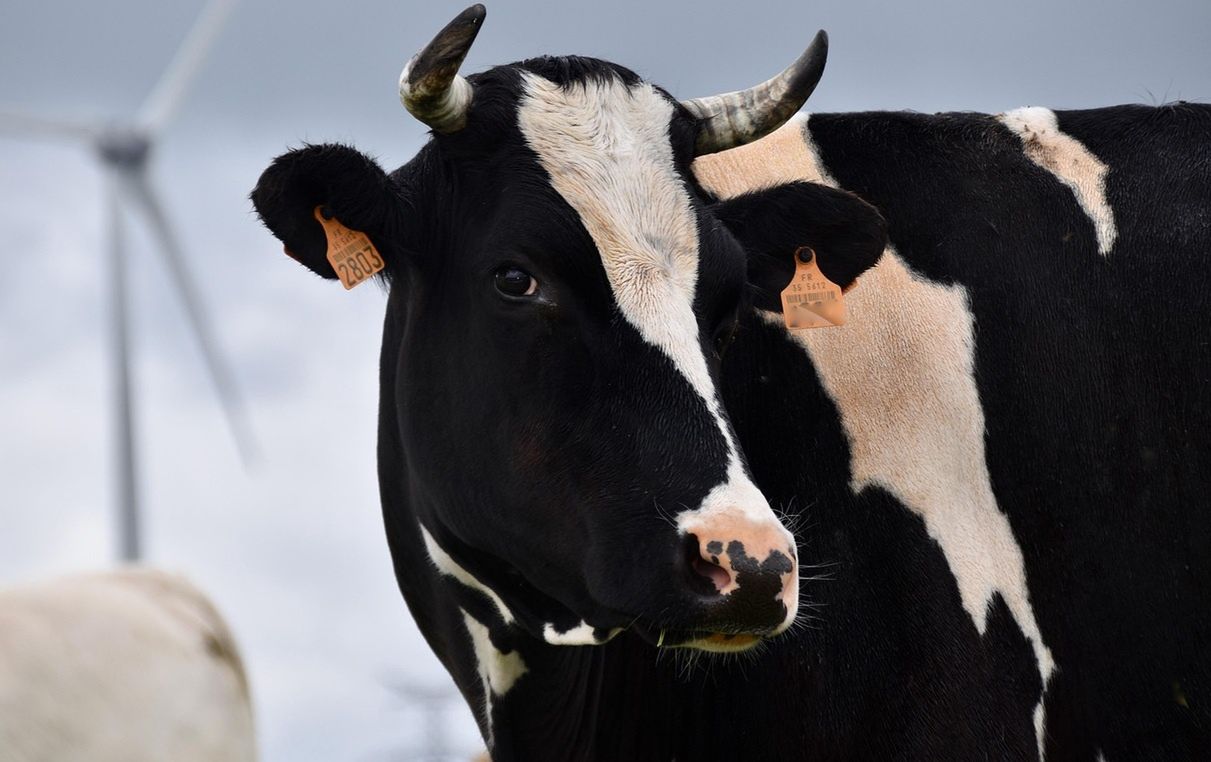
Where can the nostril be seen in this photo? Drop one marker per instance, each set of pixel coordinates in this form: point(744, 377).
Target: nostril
point(717, 575)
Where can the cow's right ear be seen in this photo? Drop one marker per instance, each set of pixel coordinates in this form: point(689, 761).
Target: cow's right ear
point(847, 233)
point(351, 186)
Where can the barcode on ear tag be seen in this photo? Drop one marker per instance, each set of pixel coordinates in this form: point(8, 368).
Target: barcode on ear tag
point(350, 252)
point(811, 300)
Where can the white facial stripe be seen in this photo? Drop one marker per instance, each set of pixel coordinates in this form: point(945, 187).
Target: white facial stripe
point(915, 429)
point(1072, 164)
point(448, 566)
point(606, 148)
point(499, 672)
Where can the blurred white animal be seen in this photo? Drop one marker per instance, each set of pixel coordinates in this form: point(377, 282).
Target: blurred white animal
point(133, 665)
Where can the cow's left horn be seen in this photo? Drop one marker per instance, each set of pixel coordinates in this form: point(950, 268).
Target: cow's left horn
point(430, 86)
point(733, 119)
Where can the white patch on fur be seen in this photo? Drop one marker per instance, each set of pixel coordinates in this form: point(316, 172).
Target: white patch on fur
point(606, 148)
point(448, 566)
point(901, 373)
point(583, 634)
point(498, 671)
point(903, 380)
point(1072, 164)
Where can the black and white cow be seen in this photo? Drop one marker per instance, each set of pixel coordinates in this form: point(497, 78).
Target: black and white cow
point(999, 463)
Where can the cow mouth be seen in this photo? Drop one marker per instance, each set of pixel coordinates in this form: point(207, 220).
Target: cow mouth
point(702, 640)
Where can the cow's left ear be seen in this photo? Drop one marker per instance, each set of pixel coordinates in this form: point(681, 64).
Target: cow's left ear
point(847, 233)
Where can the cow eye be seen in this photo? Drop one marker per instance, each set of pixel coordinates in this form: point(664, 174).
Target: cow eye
point(724, 335)
point(515, 282)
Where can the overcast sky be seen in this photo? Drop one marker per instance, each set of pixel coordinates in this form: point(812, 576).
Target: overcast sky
point(293, 550)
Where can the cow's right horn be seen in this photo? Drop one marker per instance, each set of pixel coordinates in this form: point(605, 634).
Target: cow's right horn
point(430, 86)
point(733, 119)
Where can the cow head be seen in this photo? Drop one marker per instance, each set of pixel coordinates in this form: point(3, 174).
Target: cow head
point(561, 292)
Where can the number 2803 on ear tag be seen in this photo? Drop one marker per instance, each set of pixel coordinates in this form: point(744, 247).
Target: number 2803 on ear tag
point(811, 300)
point(350, 252)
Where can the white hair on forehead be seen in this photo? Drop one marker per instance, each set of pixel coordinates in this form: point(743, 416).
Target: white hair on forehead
point(606, 147)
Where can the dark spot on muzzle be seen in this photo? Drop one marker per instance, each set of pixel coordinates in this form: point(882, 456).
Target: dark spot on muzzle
point(756, 598)
point(777, 563)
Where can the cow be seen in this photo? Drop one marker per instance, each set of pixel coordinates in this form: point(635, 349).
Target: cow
point(131, 665)
point(1005, 447)
point(605, 462)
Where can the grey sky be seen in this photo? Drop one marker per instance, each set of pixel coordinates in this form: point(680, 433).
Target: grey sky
point(293, 551)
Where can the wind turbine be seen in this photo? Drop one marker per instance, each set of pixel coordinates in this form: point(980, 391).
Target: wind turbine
point(124, 149)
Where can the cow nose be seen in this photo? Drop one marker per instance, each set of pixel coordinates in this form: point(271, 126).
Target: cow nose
point(743, 557)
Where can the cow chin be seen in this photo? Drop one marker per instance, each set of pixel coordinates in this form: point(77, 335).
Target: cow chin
point(734, 641)
point(730, 641)
point(722, 643)
point(710, 641)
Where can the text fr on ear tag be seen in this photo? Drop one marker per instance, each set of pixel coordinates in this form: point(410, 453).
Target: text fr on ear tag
point(350, 252)
point(811, 300)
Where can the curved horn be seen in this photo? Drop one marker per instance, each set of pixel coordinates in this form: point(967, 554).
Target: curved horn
point(733, 119)
point(430, 86)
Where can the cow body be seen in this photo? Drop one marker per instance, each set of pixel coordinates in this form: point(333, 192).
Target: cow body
point(570, 453)
point(130, 666)
point(1005, 450)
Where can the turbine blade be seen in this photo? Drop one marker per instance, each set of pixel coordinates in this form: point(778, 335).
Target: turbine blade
point(141, 192)
point(166, 96)
point(31, 126)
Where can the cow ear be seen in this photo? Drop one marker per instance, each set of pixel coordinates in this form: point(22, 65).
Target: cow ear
point(350, 186)
point(847, 233)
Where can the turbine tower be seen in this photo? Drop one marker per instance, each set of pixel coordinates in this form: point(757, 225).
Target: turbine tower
point(124, 149)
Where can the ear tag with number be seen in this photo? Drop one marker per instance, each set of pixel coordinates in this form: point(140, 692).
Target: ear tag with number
point(350, 252)
point(811, 300)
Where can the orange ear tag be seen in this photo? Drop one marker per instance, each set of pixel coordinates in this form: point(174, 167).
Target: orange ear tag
point(350, 252)
point(811, 300)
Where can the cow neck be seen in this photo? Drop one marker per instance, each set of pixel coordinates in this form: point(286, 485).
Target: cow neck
point(605, 702)
point(610, 701)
